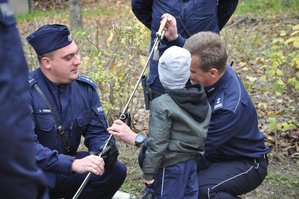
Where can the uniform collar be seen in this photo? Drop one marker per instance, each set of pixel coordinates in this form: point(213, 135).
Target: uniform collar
point(49, 83)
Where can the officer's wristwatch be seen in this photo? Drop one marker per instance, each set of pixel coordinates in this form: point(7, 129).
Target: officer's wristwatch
point(139, 140)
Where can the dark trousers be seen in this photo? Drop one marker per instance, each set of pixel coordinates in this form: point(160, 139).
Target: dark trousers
point(178, 181)
point(228, 179)
point(97, 187)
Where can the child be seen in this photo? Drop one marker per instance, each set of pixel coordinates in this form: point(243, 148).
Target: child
point(178, 127)
point(179, 121)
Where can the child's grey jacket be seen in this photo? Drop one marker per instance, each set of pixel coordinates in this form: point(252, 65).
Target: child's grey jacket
point(178, 128)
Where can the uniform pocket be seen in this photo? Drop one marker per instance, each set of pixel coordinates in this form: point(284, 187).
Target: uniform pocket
point(44, 122)
point(83, 119)
point(45, 129)
point(78, 128)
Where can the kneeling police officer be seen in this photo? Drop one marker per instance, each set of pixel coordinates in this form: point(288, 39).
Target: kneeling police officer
point(64, 107)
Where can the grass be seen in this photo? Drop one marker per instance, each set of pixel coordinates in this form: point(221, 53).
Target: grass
point(286, 180)
point(260, 7)
point(39, 14)
point(282, 181)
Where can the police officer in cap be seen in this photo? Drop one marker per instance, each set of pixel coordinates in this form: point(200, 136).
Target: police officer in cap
point(20, 176)
point(66, 106)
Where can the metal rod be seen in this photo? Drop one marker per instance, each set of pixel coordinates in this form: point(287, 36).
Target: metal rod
point(140, 77)
point(77, 194)
point(159, 37)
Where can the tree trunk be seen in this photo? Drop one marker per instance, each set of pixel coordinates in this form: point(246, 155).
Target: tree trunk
point(75, 14)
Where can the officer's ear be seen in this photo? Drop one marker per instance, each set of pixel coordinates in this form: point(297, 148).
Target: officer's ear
point(214, 73)
point(45, 62)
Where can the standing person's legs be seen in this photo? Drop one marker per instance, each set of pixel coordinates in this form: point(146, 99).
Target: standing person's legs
point(177, 181)
point(228, 179)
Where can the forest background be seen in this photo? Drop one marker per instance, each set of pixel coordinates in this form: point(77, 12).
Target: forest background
point(263, 43)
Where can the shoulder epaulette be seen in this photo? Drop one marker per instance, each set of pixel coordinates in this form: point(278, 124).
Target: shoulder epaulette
point(87, 80)
point(31, 81)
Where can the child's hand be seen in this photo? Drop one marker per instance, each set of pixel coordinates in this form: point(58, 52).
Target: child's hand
point(149, 182)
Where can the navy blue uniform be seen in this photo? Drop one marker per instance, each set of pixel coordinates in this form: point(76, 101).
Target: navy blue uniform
point(235, 150)
point(19, 174)
point(192, 16)
point(80, 112)
point(235, 160)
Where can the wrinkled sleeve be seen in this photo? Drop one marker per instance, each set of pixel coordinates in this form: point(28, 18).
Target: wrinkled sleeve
point(159, 133)
point(142, 9)
point(96, 133)
point(180, 41)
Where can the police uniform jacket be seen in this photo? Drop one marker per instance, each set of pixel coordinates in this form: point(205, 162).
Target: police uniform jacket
point(78, 108)
point(178, 127)
point(192, 16)
point(233, 131)
point(20, 176)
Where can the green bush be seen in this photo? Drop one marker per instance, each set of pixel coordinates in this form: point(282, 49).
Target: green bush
point(281, 65)
point(115, 65)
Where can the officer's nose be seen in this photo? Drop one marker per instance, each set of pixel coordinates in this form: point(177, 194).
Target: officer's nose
point(77, 59)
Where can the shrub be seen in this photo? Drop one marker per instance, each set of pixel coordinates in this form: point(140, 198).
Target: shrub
point(116, 65)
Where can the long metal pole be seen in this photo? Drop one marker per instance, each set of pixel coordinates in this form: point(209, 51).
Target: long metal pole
point(159, 36)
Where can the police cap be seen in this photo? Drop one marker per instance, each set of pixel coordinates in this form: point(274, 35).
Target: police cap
point(49, 38)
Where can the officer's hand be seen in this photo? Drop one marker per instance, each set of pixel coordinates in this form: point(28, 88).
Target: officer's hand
point(122, 131)
point(109, 154)
point(148, 182)
point(91, 163)
point(171, 32)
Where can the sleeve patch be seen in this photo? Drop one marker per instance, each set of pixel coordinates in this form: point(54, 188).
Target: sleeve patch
point(100, 109)
point(219, 102)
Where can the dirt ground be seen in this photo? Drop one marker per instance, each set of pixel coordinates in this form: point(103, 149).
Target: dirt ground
point(282, 181)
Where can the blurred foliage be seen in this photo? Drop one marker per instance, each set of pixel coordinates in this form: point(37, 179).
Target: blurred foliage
point(267, 6)
point(281, 65)
point(265, 55)
point(116, 65)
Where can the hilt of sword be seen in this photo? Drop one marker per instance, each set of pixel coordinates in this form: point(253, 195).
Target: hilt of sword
point(161, 31)
point(159, 36)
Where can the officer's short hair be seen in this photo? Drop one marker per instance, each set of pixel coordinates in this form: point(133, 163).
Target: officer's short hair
point(210, 50)
point(49, 37)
